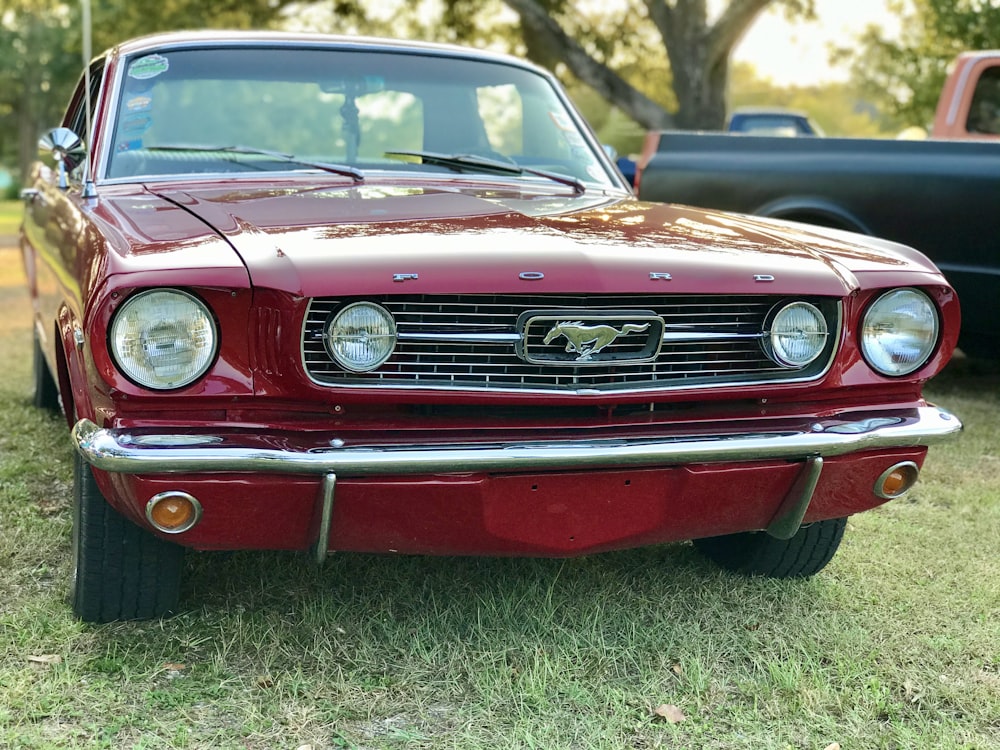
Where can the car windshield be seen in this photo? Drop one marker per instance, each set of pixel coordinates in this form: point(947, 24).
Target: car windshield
point(248, 110)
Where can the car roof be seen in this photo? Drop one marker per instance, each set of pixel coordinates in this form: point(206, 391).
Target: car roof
point(217, 38)
point(763, 110)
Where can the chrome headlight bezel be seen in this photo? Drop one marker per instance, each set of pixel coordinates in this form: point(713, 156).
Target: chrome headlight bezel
point(152, 313)
point(892, 348)
point(785, 328)
point(365, 328)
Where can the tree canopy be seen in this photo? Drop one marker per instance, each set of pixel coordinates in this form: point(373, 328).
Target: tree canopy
point(41, 51)
point(664, 63)
point(904, 76)
point(658, 63)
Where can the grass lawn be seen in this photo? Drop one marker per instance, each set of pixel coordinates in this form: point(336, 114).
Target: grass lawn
point(895, 645)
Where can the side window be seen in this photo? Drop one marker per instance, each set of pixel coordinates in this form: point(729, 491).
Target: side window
point(984, 111)
point(76, 115)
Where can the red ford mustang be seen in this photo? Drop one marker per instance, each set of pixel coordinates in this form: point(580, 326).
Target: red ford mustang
point(317, 293)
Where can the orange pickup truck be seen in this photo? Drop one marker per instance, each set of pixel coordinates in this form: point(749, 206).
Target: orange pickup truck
point(969, 105)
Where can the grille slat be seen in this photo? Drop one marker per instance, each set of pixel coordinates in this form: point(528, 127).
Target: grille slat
point(497, 366)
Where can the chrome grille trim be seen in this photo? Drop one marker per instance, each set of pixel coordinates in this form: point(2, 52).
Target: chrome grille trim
point(463, 338)
point(467, 342)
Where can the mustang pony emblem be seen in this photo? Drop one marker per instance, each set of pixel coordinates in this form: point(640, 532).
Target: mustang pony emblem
point(589, 340)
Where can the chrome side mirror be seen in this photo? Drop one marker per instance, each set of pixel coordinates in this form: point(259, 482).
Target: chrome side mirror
point(66, 149)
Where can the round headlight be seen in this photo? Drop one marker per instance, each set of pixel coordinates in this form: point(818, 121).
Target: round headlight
point(361, 336)
point(798, 334)
point(899, 332)
point(163, 339)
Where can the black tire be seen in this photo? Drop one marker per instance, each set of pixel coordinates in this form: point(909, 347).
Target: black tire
point(121, 572)
point(46, 392)
point(756, 553)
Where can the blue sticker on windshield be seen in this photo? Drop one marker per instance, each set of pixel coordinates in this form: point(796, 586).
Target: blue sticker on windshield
point(149, 66)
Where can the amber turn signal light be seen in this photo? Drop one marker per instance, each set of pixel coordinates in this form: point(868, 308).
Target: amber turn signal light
point(896, 480)
point(173, 512)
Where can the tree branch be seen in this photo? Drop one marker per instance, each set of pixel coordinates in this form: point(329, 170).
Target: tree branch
point(661, 15)
point(598, 76)
point(732, 24)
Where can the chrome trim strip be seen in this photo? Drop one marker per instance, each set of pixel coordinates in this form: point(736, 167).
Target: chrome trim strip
point(436, 386)
point(510, 338)
point(239, 451)
point(463, 338)
point(679, 338)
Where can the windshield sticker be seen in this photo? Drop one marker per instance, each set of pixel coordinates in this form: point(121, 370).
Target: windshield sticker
point(132, 145)
point(148, 67)
point(139, 104)
point(136, 123)
point(562, 121)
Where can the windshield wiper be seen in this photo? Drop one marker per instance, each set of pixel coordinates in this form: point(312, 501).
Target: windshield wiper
point(341, 169)
point(473, 163)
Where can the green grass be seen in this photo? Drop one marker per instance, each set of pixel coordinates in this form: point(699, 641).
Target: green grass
point(895, 645)
point(10, 217)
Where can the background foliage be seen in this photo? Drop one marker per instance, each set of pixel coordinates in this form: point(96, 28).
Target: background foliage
point(903, 77)
point(41, 52)
point(41, 49)
point(630, 66)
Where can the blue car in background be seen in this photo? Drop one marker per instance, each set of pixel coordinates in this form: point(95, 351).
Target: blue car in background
point(771, 121)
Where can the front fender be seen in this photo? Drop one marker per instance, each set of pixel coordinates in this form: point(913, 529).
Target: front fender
point(71, 368)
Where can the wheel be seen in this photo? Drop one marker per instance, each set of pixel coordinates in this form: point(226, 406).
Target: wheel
point(121, 572)
point(756, 553)
point(46, 393)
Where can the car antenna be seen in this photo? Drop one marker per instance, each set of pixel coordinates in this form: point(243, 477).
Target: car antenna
point(89, 191)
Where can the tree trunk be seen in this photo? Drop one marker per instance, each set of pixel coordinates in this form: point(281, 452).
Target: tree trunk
point(552, 42)
point(698, 53)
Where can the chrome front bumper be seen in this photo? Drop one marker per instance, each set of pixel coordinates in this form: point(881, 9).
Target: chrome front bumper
point(196, 451)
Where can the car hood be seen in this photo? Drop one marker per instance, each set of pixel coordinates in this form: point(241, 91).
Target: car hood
point(382, 239)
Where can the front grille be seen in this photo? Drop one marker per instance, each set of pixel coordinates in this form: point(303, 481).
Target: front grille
point(725, 344)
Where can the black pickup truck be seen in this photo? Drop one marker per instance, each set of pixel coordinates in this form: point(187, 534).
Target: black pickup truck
point(941, 197)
